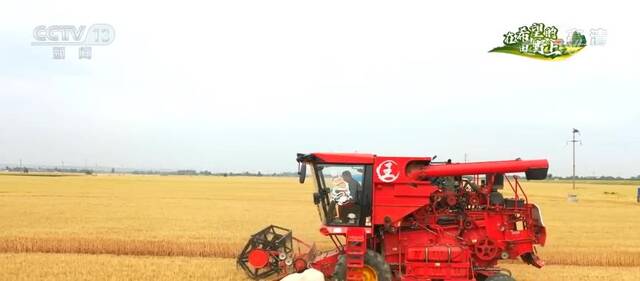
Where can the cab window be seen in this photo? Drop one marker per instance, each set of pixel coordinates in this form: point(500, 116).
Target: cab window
point(342, 186)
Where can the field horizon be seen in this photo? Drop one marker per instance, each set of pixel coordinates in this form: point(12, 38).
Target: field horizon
point(204, 221)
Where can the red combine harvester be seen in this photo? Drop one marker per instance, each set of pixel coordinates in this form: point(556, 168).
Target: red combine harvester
point(408, 218)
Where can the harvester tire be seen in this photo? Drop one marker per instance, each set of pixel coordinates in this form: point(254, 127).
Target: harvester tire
point(500, 277)
point(372, 259)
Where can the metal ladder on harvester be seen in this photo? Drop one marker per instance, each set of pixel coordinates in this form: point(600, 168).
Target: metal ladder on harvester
point(355, 249)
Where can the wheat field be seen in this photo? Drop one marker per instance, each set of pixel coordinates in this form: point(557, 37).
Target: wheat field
point(125, 227)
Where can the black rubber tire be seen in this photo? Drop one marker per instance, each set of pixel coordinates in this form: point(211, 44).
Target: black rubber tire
point(500, 277)
point(372, 259)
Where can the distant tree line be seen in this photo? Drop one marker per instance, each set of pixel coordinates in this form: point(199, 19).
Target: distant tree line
point(236, 174)
point(48, 170)
point(218, 174)
point(146, 172)
point(550, 176)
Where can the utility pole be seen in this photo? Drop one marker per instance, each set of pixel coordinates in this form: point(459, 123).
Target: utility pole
point(573, 143)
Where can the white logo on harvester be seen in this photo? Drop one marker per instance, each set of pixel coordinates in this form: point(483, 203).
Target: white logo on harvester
point(388, 171)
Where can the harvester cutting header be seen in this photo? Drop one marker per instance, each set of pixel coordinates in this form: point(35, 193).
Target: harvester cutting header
point(408, 218)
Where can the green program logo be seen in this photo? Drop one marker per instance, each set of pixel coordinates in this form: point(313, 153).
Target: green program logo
point(540, 42)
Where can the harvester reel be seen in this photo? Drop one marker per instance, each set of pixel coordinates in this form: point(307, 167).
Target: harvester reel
point(270, 253)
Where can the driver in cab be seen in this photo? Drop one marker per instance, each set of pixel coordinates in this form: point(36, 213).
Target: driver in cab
point(353, 185)
point(346, 195)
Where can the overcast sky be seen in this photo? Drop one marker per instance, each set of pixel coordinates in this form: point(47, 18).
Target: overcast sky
point(244, 85)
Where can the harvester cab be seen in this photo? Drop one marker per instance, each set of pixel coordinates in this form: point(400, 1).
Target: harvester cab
point(343, 193)
point(408, 218)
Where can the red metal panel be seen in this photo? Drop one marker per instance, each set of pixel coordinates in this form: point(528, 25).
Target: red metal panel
point(492, 167)
point(345, 158)
point(437, 253)
point(392, 170)
point(341, 230)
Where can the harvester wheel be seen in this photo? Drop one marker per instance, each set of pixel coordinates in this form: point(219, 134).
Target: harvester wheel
point(375, 268)
point(500, 277)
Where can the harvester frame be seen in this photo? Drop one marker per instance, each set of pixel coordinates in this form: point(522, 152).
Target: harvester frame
point(409, 219)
